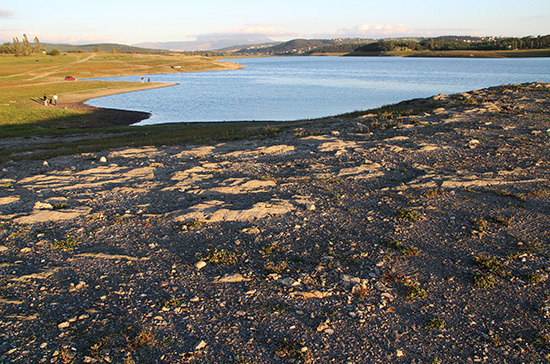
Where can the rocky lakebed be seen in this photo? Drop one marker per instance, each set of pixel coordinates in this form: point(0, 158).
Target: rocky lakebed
point(417, 235)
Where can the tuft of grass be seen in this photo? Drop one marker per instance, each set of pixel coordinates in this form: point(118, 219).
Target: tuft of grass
point(196, 224)
point(501, 220)
point(484, 280)
point(406, 250)
point(360, 291)
point(273, 267)
point(145, 337)
point(169, 303)
point(434, 192)
point(66, 244)
point(408, 214)
point(221, 257)
point(436, 324)
point(272, 248)
point(414, 291)
point(490, 264)
point(481, 224)
point(292, 349)
point(535, 277)
point(60, 206)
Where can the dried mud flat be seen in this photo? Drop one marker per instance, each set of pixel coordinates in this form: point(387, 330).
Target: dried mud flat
point(425, 240)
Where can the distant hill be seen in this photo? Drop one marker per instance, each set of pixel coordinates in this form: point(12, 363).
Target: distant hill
point(306, 46)
point(210, 43)
point(102, 47)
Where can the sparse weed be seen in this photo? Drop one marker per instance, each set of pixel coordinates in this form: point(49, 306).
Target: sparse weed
point(484, 280)
point(221, 257)
point(60, 206)
point(360, 291)
point(67, 244)
point(490, 264)
point(436, 324)
point(169, 303)
point(408, 214)
point(268, 178)
point(292, 349)
point(481, 224)
point(407, 250)
point(414, 291)
point(273, 267)
point(196, 224)
point(535, 277)
point(500, 220)
point(272, 248)
point(145, 337)
point(434, 192)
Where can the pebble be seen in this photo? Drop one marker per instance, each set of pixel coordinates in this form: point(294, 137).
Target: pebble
point(200, 264)
point(103, 160)
point(63, 325)
point(232, 278)
point(200, 345)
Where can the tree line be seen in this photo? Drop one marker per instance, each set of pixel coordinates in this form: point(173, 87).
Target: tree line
point(455, 43)
point(23, 48)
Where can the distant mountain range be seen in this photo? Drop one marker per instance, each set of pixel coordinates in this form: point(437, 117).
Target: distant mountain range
point(101, 47)
point(259, 45)
point(210, 43)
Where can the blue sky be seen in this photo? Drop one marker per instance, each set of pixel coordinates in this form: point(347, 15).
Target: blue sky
point(136, 21)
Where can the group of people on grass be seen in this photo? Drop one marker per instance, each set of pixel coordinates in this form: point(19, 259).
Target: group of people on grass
point(52, 101)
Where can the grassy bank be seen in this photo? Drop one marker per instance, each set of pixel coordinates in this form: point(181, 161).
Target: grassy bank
point(528, 53)
point(25, 80)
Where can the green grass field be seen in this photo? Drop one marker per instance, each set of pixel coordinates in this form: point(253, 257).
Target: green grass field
point(24, 81)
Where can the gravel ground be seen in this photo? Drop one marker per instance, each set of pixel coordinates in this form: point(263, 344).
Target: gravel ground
point(413, 237)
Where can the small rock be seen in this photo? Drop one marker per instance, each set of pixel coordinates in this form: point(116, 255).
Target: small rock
point(348, 280)
point(200, 345)
point(63, 325)
point(232, 278)
point(329, 331)
point(42, 206)
point(289, 282)
point(103, 160)
point(200, 264)
point(46, 164)
point(322, 327)
point(399, 353)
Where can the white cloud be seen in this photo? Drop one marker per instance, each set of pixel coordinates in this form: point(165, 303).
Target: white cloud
point(371, 31)
point(248, 29)
point(6, 14)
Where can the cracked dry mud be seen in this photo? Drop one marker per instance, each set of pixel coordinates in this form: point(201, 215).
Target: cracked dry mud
point(424, 240)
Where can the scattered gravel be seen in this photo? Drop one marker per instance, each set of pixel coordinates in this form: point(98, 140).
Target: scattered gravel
point(419, 237)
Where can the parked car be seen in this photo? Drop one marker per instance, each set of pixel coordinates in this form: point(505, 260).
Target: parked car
point(70, 78)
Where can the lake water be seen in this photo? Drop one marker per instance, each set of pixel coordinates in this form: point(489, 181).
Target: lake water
point(291, 88)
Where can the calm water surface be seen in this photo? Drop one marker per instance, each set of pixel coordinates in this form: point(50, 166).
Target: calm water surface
point(291, 88)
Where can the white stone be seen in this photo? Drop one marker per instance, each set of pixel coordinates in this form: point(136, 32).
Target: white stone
point(232, 278)
point(103, 160)
point(200, 264)
point(42, 206)
point(200, 345)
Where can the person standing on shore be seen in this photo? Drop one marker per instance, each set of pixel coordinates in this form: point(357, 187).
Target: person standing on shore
point(54, 100)
point(45, 100)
